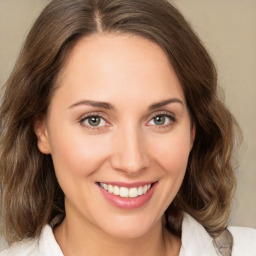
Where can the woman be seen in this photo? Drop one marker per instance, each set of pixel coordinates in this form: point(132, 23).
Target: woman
point(114, 141)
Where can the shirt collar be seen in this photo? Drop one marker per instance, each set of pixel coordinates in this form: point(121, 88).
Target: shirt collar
point(195, 239)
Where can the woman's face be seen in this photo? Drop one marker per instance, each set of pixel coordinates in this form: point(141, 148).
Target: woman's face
point(119, 133)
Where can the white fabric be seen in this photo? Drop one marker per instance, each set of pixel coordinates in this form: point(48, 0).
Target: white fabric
point(45, 245)
point(195, 242)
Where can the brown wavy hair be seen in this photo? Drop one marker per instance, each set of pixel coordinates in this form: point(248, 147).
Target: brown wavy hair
point(30, 193)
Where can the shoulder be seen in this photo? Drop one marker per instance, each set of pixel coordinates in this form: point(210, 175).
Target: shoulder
point(45, 245)
point(25, 248)
point(197, 242)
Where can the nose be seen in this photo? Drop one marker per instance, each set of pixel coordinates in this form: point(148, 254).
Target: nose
point(129, 151)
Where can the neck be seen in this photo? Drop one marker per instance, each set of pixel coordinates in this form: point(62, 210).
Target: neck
point(77, 236)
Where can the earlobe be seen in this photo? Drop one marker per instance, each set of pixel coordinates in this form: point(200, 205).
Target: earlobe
point(41, 132)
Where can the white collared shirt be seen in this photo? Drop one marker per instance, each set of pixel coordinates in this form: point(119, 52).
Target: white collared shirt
point(195, 242)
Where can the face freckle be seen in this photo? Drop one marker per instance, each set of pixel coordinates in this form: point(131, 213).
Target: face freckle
point(118, 119)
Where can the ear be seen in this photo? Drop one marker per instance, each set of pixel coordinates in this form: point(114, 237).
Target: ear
point(41, 132)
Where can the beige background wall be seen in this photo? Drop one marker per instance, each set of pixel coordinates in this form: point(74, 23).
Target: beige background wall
point(228, 29)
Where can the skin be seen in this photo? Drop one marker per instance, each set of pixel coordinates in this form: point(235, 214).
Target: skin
point(130, 73)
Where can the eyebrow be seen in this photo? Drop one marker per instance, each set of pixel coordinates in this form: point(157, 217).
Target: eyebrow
point(165, 102)
point(108, 106)
point(92, 103)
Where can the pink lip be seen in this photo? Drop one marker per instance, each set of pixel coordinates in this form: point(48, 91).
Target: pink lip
point(128, 203)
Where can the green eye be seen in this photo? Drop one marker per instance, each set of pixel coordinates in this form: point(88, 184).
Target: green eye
point(162, 120)
point(159, 120)
point(94, 121)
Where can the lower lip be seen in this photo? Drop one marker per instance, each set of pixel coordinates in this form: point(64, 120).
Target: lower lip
point(128, 203)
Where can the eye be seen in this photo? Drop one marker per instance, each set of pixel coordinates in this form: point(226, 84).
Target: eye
point(93, 121)
point(162, 120)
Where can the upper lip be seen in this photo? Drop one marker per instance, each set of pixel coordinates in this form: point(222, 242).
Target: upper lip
point(128, 185)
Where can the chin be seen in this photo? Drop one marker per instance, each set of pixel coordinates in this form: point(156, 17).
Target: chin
point(131, 227)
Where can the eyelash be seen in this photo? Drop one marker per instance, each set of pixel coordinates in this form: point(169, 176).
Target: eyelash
point(161, 114)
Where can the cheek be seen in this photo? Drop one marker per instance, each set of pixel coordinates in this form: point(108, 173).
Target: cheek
point(172, 152)
point(78, 154)
point(171, 156)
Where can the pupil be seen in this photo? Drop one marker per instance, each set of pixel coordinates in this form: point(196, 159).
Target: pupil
point(159, 120)
point(94, 121)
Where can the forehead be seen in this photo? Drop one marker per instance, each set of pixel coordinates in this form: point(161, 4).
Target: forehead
point(105, 65)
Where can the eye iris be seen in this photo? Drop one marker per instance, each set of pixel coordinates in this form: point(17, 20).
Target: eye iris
point(94, 120)
point(159, 120)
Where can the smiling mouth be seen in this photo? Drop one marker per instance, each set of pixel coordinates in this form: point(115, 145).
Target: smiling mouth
point(127, 196)
point(125, 192)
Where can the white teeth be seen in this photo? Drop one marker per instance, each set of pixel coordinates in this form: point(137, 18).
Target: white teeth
point(126, 192)
point(116, 191)
point(140, 191)
point(133, 192)
point(110, 189)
